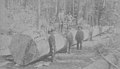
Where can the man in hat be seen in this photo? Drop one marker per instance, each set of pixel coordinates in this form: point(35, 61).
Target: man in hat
point(51, 40)
point(69, 37)
point(79, 37)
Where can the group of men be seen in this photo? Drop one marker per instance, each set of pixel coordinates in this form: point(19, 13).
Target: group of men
point(69, 36)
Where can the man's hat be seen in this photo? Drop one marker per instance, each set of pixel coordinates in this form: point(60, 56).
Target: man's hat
point(51, 30)
point(68, 27)
point(80, 27)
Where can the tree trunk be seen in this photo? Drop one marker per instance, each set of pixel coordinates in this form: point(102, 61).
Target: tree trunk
point(91, 33)
point(100, 29)
point(38, 14)
point(90, 19)
point(99, 25)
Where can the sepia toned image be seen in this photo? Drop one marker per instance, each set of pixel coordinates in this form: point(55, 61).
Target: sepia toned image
point(59, 34)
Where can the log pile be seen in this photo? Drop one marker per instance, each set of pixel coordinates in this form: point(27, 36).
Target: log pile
point(108, 61)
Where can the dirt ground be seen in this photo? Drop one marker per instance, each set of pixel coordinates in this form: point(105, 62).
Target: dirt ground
point(75, 60)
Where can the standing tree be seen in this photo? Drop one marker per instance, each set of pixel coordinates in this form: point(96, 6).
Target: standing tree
point(88, 15)
point(98, 12)
point(76, 10)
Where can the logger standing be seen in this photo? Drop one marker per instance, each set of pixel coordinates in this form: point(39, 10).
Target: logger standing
point(52, 45)
point(79, 37)
point(69, 37)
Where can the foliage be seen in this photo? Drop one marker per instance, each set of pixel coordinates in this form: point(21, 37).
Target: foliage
point(21, 13)
point(93, 11)
point(107, 13)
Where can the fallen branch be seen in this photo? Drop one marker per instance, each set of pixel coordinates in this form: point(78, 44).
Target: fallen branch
point(94, 36)
point(109, 61)
point(98, 34)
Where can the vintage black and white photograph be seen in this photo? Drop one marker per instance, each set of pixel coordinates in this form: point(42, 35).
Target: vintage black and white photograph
point(59, 34)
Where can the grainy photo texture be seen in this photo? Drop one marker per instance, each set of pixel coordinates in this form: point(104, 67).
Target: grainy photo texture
point(59, 34)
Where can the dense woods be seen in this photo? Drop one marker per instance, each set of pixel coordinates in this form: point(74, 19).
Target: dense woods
point(34, 29)
point(34, 13)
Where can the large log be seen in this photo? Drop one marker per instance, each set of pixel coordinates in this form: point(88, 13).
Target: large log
point(4, 43)
point(86, 32)
point(26, 50)
point(106, 62)
point(99, 64)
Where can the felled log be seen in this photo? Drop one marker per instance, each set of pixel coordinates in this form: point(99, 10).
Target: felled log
point(4, 43)
point(110, 60)
point(106, 62)
point(26, 50)
point(95, 32)
point(20, 47)
point(99, 64)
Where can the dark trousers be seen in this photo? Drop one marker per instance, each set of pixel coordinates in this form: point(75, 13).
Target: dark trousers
point(69, 46)
point(79, 43)
point(52, 52)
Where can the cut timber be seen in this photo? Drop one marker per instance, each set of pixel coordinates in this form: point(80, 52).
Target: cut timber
point(26, 50)
point(22, 49)
point(99, 64)
point(105, 63)
point(5, 41)
point(110, 59)
point(110, 62)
